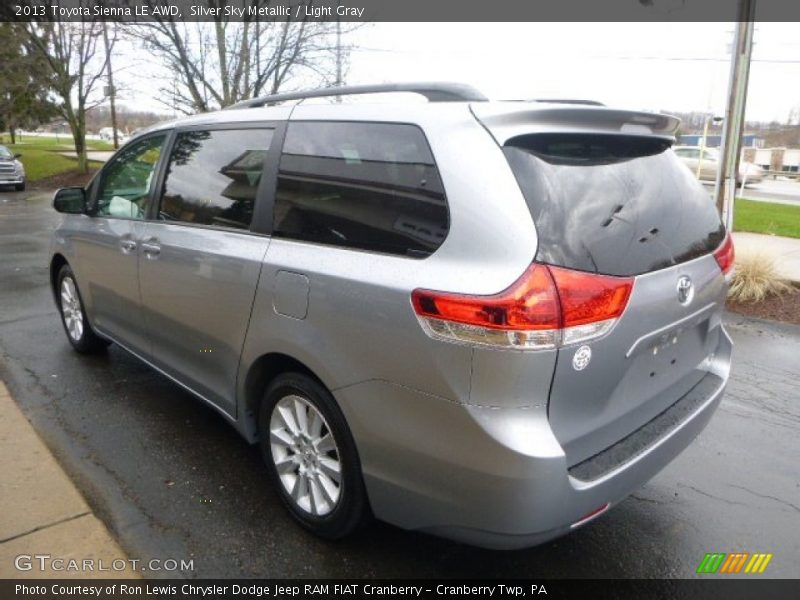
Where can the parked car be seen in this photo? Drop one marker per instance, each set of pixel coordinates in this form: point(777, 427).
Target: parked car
point(12, 171)
point(107, 134)
point(483, 320)
point(710, 164)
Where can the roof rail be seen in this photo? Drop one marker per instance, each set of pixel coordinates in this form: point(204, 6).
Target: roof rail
point(569, 101)
point(434, 92)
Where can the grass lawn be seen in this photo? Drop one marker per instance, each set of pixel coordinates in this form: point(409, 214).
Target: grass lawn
point(40, 164)
point(60, 142)
point(766, 217)
point(41, 155)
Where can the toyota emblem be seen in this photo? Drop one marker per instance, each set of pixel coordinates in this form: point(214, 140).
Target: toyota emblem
point(685, 289)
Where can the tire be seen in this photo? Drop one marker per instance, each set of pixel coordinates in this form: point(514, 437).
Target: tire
point(20, 187)
point(73, 316)
point(302, 461)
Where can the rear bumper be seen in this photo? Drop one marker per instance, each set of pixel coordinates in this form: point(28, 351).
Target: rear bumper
point(497, 477)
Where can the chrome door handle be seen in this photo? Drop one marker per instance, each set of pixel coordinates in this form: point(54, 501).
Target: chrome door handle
point(151, 248)
point(127, 246)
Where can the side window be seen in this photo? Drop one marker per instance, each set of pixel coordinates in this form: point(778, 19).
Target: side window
point(366, 186)
point(212, 177)
point(124, 184)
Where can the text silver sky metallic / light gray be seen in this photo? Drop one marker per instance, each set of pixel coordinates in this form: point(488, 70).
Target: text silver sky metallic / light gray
point(465, 317)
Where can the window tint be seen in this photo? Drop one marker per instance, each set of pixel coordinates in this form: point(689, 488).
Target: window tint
point(125, 182)
point(588, 149)
point(367, 186)
point(213, 176)
point(617, 217)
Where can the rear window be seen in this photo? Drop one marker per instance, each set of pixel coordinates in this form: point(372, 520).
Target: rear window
point(612, 204)
point(364, 186)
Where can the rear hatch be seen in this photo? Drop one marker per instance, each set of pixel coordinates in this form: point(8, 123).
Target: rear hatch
point(613, 199)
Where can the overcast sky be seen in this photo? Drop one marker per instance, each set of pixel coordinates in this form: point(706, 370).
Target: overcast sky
point(655, 66)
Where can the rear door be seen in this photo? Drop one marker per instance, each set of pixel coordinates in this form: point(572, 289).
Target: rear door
point(201, 255)
point(624, 205)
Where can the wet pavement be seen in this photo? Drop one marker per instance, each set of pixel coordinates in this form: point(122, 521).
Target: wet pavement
point(172, 480)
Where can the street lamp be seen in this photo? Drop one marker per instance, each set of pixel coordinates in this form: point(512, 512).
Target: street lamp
point(709, 118)
point(110, 91)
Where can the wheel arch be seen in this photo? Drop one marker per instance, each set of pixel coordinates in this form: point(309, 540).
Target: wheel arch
point(259, 375)
point(57, 262)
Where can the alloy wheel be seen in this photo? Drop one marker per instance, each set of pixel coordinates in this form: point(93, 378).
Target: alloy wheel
point(305, 455)
point(71, 309)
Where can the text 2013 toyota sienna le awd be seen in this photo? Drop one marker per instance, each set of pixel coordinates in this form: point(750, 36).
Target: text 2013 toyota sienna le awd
point(487, 320)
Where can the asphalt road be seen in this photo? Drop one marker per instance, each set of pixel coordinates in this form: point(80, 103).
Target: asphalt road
point(769, 190)
point(172, 480)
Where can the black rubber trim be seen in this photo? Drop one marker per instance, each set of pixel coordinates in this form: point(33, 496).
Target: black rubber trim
point(640, 440)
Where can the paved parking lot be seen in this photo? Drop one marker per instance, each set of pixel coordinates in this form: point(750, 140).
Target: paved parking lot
point(769, 190)
point(171, 479)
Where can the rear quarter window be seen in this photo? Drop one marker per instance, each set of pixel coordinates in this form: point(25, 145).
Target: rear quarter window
point(617, 205)
point(364, 186)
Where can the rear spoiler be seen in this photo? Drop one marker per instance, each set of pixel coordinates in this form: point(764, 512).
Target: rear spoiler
point(507, 120)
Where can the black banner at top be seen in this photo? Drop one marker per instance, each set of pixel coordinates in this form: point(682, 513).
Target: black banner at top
point(394, 10)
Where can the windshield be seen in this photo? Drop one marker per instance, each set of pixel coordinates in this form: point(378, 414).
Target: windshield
point(5, 152)
point(618, 205)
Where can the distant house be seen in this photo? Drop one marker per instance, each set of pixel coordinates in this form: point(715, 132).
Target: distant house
point(749, 140)
point(777, 159)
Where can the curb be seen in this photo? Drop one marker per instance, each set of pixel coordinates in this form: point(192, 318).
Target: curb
point(47, 529)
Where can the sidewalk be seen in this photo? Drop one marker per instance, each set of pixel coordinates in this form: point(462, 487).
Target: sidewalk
point(98, 155)
point(786, 251)
point(42, 513)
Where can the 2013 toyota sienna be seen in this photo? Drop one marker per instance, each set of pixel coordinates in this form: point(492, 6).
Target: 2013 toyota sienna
point(487, 320)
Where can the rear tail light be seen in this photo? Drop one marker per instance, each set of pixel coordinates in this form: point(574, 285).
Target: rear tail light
point(725, 255)
point(590, 304)
point(546, 307)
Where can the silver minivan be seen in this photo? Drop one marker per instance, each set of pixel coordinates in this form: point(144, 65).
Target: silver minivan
point(491, 321)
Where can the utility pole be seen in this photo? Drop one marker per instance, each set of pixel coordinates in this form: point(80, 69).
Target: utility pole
point(111, 91)
point(338, 51)
point(742, 50)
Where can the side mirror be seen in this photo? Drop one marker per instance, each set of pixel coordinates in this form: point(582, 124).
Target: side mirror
point(70, 200)
point(18, 155)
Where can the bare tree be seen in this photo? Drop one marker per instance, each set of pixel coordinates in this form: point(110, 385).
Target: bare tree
point(70, 51)
point(216, 64)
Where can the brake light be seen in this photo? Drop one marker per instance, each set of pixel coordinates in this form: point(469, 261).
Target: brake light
point(546, 307)
point(590, 304)
point(725, 255)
